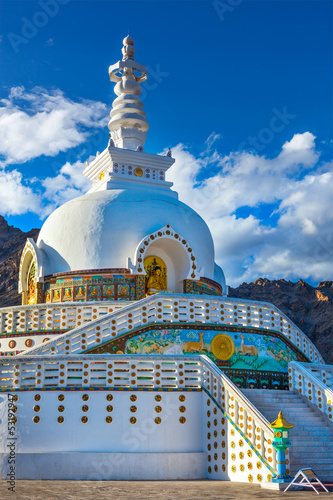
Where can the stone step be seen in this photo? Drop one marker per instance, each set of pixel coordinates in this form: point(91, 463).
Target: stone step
point(323, 476)
point(304, 447)
point(309, 439)
point(322, 467)
point(309, 461)
point(275, 402)
point(298, 432)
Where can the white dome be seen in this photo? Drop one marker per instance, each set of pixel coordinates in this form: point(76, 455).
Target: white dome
point(103, 230)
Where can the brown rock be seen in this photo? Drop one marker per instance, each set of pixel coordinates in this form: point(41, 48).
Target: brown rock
point(12, 241)
point(310, 308)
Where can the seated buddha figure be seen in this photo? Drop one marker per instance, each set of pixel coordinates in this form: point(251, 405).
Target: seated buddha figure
point(155, 282)
point(80, 292)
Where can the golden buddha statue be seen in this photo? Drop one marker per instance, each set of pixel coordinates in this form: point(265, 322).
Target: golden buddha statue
point(155, 282)
point(68, 293)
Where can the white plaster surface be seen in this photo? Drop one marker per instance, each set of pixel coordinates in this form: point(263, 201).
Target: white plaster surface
point(119, 436)
point(102, 230)
point(107, 466)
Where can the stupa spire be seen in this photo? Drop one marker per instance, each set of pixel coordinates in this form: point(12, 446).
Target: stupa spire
point(128, 125)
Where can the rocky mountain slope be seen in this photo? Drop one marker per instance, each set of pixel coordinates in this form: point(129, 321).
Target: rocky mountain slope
point(12, 241)
point(310, 308)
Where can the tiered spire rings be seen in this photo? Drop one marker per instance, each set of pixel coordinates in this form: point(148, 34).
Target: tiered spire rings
point(128, 125)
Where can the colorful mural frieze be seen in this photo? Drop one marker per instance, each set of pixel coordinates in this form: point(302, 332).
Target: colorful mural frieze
point(140, 287)
point(257, 379)
point(202, 287)
point(235, 350)
point(90, 288)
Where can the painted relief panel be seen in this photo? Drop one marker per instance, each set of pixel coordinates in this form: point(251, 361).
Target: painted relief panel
point(108, 291)
point(238, 351)
point(56, 295)
point(94, 292)
point(67, 294)
point(80, 293)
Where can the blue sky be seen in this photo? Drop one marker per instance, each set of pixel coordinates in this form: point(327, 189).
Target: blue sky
point(241, 90)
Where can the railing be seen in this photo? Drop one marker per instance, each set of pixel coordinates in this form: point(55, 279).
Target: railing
point(241, 411)
point(139, 371)
point(172, 308)
point(323, 372)
point(46, 317)
point(310, 381)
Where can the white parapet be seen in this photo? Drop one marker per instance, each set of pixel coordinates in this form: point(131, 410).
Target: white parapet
point(129, 404)
point(174, 308)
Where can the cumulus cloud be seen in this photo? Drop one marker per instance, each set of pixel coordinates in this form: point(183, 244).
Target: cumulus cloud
point(68, 184)
point(16, 198)
point(295, 239)
point(41, 122)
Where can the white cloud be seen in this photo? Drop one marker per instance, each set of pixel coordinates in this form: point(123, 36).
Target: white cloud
point(298, 243)
point(41, 122)
point(68, 184)
point(15, 197)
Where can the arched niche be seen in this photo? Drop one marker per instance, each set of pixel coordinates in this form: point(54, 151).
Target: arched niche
point(175, 251)
point(30, 259)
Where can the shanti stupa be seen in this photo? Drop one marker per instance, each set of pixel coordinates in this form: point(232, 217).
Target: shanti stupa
point(127, 359)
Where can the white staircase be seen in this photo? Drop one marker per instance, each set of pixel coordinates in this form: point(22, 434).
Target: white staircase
point(312, 434)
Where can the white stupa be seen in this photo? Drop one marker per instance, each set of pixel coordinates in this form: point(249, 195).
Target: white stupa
point(127, 361)
point(130, 211)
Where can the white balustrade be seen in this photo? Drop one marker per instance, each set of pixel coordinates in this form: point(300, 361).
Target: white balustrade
point(315, 383)
point(241, 411)
point(173, 308)
point(50, 317)
point(140, 371)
